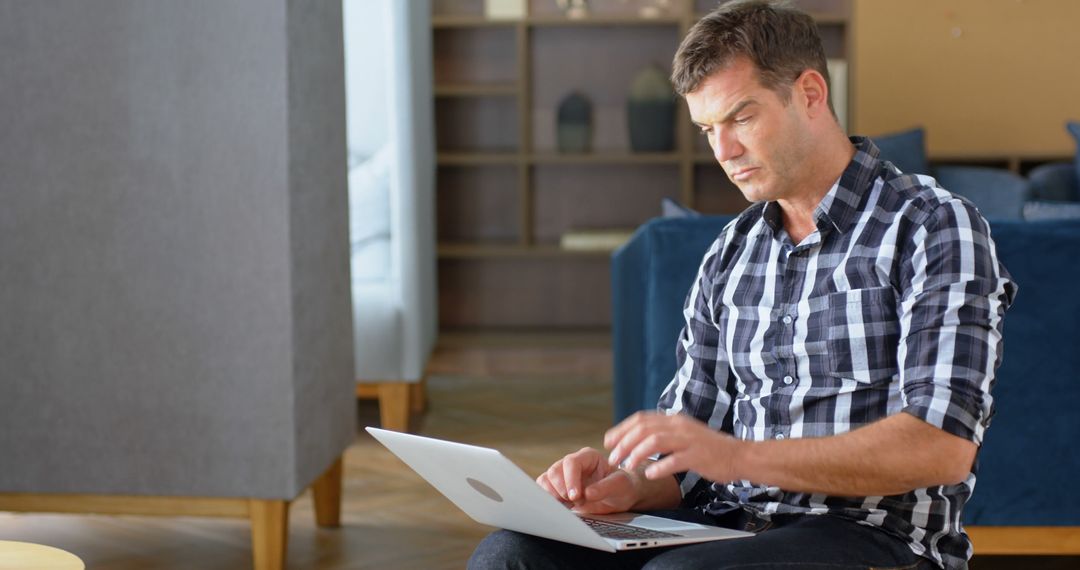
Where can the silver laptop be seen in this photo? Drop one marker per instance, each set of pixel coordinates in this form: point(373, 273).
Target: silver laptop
point(494, 491)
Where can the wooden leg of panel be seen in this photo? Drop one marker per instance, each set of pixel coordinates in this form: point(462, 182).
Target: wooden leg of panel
point(418, 396)
point(394, 406)
point(365, 391)
point(269, 533)
point(326, 492)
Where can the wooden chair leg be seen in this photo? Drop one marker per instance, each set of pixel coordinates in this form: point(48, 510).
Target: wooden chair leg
point(418, 396)
point(394, 406)
point(326, 492)
point(269, 533)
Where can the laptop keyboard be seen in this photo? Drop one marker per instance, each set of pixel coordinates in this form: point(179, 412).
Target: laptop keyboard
point(621, 531)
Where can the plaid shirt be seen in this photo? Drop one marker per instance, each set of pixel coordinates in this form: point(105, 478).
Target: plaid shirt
point(894, 304)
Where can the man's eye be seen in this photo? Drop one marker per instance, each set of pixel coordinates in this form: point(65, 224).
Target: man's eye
point(743, 120)
point(705, 132)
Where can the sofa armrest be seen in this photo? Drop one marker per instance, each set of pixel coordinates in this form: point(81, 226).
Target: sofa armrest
point(650, 277)
point(629, 272)
point(1030, 445)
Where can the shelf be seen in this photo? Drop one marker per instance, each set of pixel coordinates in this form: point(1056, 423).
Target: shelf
point(438, 22)
point(822, 18)
point(508, 199)
point(492, 251)
point(461, 21)
point(629, 20)
point(705, 158)
point(596, 158)
point(476, 89)
point(477, 158)
point(615, 157)
point(553, 21)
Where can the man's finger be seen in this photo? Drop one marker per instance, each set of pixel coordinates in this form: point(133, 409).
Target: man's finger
point(573, 466)
point(617, 433)
point(666, 467)
point(656, 443)
point(617, 482)
point(628, 441)
point(554, 477)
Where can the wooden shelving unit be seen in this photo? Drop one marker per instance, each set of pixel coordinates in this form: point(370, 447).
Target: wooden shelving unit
point(505, 194)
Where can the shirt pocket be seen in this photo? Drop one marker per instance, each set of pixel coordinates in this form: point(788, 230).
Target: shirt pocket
point(863, 334)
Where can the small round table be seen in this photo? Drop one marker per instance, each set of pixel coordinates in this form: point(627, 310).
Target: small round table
point(27, 556)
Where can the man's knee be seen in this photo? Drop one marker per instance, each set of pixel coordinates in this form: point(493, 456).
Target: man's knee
point(508, 550)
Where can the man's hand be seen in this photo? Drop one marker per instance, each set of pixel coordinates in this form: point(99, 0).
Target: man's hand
point(688, 443)
point(585, 482)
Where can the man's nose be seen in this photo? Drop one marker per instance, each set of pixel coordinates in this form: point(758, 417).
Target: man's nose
point(725, 145)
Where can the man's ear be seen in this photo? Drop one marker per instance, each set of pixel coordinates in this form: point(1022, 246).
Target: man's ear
point(815, 92)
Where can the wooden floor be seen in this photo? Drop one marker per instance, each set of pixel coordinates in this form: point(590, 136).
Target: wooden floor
point(533, 402)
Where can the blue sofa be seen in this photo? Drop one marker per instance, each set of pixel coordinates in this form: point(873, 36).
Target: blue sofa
point(1030, 451)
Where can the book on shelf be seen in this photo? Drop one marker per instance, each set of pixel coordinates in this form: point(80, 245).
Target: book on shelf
point(595, 239)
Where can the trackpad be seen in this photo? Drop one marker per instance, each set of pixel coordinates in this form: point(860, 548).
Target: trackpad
point(654, 523)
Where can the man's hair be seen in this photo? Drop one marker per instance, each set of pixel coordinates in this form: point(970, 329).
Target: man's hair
point(780, 40)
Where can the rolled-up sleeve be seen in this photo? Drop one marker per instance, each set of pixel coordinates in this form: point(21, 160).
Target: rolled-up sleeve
point(954, 294)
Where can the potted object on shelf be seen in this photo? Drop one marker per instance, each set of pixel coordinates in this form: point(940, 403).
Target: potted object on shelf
point(650, 111)
point(574, 9)
point(574, 124)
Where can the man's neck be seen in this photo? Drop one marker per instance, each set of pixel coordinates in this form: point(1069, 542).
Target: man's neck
point(797, 212)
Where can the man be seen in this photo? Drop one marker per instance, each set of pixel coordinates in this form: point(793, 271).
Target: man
point(841, 339)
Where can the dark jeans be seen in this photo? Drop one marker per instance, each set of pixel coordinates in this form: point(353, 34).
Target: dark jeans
point(786, 541)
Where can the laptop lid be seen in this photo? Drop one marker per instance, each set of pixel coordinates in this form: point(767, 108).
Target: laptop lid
point(489, 488)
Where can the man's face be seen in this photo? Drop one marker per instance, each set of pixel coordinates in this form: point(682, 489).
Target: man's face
point(761, 142)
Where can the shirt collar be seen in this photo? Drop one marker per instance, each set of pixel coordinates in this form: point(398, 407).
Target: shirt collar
point(839, 208)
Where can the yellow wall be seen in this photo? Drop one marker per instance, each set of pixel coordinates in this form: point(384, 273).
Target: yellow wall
point(984, 77)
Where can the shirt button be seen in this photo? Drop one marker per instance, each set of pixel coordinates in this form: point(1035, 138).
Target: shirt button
point(788, 379)
point(787, 319)
point(779, 436)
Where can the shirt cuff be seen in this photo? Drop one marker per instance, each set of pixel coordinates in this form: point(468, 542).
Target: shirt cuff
point(951, 411)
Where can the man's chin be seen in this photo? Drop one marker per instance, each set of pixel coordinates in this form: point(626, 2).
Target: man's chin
point(752, 192)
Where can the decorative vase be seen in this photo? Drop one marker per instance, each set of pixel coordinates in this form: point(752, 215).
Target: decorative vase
point(650, 112)
point(574, 123)
point(574, 9)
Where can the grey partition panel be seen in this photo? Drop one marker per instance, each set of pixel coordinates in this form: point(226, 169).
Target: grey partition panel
point(321, 289)
point(174, 296)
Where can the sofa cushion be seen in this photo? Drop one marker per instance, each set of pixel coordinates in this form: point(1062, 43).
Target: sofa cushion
point(671, 209)
point(997, 193)
point(369, 217)
point(906, 150)
point(1055, 182)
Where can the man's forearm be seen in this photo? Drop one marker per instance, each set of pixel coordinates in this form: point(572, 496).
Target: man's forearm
point(892, 456)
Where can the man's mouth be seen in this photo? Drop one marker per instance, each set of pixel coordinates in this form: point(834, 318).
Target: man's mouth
point(743, 173)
